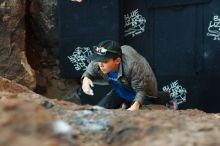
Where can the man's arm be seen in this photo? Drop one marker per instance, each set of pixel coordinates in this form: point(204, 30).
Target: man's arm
point(88, 77)
point(137, 84)
point(91, 71)
point(94, 73)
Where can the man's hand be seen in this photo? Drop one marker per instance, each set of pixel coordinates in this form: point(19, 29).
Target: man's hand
point(135, 106)
point(86, 86)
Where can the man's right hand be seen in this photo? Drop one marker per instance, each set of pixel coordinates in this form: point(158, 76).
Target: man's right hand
point(86, 86)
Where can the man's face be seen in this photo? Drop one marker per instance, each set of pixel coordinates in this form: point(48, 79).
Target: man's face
point(110, 65)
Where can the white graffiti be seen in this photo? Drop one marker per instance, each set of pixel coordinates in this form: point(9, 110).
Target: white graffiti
point(178, 93)
point(79, 58)
point(214, 28)
point(134, 23)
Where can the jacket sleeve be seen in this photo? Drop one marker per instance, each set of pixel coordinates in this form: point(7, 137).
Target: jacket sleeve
point(92, 72)
point(137, 82)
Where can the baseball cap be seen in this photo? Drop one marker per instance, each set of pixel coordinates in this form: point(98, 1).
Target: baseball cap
point(105, 50)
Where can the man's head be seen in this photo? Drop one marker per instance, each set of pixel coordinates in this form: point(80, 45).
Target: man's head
point(110, 65)
point(108, 55)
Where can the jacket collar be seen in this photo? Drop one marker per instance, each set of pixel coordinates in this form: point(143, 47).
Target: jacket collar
point(120, 71)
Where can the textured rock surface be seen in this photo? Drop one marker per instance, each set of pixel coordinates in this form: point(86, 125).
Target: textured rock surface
point(42, 50)
point(44, 21)
point(13, 61)
point(147, 127)
point(25, 120)
point(42, 35)
point(29, 46)
point(95, 126)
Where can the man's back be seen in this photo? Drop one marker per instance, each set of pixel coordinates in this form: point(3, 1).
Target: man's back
point(136, 67)
point(130, 55)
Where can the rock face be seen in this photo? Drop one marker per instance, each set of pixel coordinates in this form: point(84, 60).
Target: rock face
point(35, 130)
point(42, 35)
point(29, 47)
point(27, 118)
point(147, 127)
point(43, 14)
point(13, 61)
point(52, 122)
point(42, 50)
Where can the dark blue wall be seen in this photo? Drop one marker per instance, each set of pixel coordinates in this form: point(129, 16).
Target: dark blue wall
point(180, 39)
point(84, 25)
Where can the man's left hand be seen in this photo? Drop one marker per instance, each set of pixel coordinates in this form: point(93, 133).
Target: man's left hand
point(135, 106)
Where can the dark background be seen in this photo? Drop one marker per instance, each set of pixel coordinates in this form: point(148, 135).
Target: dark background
point(175, 42)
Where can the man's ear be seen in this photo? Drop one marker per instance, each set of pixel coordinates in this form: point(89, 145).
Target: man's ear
point(118, 60)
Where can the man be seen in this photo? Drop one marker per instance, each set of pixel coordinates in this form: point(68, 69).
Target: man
point(128, 72)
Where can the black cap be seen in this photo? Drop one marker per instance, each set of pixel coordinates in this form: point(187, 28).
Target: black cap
point(106, 50)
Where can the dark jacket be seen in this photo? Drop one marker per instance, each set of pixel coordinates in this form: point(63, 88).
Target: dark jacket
point(134, 73)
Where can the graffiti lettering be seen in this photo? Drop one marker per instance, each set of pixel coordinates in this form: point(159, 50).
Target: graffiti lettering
point(79, 58)
point(177, 92)
point(134, 23)
point(214, 28)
